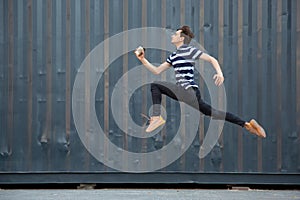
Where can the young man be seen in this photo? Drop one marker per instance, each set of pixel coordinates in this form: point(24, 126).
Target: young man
point(185, 89)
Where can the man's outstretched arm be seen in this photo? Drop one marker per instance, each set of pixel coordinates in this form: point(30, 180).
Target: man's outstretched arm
point(155, 70)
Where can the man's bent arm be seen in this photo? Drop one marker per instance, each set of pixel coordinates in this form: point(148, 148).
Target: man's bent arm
point(155, 70)
point(219, 78)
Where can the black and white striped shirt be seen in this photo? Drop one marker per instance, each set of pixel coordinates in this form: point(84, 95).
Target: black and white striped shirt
point(183, 61)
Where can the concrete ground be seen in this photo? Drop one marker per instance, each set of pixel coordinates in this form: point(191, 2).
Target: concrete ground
point(148, 194)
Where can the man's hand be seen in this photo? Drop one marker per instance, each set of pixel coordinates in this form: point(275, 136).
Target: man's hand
point(140, 53)
point(219, 79)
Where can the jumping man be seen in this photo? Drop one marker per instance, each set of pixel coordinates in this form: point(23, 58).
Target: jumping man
point(185, 89)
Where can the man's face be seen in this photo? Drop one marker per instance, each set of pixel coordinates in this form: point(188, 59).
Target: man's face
point(176, 38)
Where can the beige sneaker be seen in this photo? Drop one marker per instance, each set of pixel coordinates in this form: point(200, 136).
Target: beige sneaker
point(255, 128)
point(155, 122)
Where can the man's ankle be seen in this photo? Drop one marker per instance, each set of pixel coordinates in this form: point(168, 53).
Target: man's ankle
point(155, 117)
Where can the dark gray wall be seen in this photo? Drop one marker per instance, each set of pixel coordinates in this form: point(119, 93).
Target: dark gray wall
point(43, 43)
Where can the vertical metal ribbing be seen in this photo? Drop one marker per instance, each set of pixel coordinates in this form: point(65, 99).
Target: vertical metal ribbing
point(47, 131)
point(10, 114)
point(240, 78)
point(201, 39)
point(49, 73)
point(279, 84)
point(144, 145)
point(182, 12)
point(163, 59)
point(68, 75)
point(221, 59)
point(29, 86)
point(182, 117)
point(259, 78)
point(106, 73)
point(125, 92)
point(3, 82)
point(298, 77)
point(87, 72)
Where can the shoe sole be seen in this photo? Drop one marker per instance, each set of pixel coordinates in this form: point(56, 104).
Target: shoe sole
point(158, 125)
point(259, 130)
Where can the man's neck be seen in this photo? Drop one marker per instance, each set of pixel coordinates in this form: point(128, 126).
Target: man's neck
point(179, 45)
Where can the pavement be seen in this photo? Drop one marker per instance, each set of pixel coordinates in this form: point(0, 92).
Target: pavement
point(147, 194)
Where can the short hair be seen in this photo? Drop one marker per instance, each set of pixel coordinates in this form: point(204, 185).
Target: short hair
point(186, 33)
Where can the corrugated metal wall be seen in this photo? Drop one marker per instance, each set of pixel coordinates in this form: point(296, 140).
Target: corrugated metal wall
point(43, 43)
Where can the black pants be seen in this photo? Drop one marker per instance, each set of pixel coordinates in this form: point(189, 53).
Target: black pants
point(190, 96)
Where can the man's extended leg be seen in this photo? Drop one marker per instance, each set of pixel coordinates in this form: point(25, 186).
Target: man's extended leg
point(252, 126)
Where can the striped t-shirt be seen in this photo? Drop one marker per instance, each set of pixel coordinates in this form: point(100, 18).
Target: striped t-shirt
point(183, 61)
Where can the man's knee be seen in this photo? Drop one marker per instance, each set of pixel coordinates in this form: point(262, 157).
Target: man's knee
point(205, 108)
point(154, 86)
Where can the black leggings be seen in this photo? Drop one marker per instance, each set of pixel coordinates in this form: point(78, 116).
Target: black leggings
point(190, 96)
